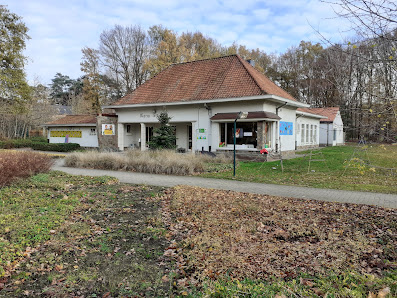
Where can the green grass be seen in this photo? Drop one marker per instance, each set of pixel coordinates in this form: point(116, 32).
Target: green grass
point(348, 284)
point(328, 174)
point(31, 209)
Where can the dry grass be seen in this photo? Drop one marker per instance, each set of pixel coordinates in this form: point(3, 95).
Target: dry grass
point(155, 162)
point(14, 165)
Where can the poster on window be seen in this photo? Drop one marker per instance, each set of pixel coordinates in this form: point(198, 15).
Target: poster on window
point(108, 130)
point(286, 128)
point(239, 133)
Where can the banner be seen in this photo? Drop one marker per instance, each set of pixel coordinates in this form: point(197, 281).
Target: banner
point(65, 133)
point(286, 128)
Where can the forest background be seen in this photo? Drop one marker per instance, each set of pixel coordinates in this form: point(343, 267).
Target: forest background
point(358, 74)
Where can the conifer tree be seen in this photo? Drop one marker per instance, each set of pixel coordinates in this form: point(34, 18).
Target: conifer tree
point(164, 136)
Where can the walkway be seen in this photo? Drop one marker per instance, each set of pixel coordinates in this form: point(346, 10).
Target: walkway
point(331, 195)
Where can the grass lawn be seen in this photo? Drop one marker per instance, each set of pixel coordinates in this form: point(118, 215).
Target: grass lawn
point(328, 174)
point(68, 236)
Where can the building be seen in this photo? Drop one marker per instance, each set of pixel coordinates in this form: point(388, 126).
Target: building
point(80, 129)
point(331, 125)
point(203, 99)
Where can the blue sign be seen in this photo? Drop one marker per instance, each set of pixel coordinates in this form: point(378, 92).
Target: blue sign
point(286, 128)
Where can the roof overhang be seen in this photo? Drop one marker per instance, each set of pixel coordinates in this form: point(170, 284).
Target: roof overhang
point(273, 98)
point(252, 116)
point(309, 115)
point(69, 125)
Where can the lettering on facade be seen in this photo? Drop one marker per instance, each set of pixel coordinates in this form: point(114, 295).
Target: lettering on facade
point(144, 115)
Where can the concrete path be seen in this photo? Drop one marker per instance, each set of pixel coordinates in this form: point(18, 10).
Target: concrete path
point(331, 195)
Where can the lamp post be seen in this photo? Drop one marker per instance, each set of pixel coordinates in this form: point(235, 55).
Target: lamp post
point(240, 115)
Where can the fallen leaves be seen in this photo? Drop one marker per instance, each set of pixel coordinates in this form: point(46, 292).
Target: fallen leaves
point(254, 236)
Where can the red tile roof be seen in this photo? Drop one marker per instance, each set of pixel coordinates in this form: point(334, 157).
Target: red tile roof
point(74, 119)
point(328, 113)
point(224, 77)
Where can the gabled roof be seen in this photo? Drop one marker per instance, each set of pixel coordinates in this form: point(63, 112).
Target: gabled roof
point(328, 113)
point(216, 78)
point(74, 120)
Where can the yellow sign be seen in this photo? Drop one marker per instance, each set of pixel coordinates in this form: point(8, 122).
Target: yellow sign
point(64, 133)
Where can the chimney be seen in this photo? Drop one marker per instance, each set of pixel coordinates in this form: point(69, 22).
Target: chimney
point(252, 62)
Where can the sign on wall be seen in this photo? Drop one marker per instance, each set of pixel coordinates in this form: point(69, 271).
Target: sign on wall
point(65, 133)
point(108, 130)
point(286, 128)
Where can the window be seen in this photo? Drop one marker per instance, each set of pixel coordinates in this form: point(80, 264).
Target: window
point(128, 129)
point(222, 133)
point(334, 134)
point(311, 133)
point(302, 134)
point(93, 131)
point(149, 133)
point(307, 133)
point(315, 134)
point(246, 133)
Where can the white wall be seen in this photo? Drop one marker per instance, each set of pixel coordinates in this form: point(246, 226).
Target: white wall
point(198, 115)
point(287, 141)
point(87, 139)
point(327, 132)
point(181, 116)
point(338, 126)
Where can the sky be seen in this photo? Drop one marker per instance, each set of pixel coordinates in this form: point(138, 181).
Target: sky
point(60, 29)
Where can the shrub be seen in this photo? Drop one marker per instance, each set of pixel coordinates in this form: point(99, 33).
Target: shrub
point(38, 143)
point(15, 165)
point(58, 147)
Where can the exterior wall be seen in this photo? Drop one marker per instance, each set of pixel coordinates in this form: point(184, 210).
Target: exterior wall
point(88, 139)
point(108, 142)
point(338, 127)
point(331, 133)
point(311, 142)
point(206, 134)
point(287, 142)
point(198, 116)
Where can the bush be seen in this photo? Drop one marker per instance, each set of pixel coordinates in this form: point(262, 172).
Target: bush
point(58, 147)
point(38, 143)
point(15, 165)
point(16, 143)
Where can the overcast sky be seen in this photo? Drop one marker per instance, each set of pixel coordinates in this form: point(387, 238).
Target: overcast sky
point(60, 29)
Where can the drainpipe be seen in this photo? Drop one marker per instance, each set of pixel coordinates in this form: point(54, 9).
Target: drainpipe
point(278, 125)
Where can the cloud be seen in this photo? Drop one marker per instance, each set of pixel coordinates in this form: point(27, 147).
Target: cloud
point(60, 29)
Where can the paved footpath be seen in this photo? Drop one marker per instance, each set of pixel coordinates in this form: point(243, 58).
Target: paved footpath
point(331, 195)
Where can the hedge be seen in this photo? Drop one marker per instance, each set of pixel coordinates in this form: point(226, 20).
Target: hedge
point(58, 147)
point(38, 145)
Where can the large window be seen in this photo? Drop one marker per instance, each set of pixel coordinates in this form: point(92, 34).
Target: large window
point(149, 133)
point(307, 133)
point(315, 134)
point(311, 134)
point(246, 133)
point(302, 134)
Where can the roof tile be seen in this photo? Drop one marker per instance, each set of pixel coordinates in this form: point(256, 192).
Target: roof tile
point(74, 119)
point(224, 77)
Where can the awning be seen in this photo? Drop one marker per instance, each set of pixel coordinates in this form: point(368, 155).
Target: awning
point(260, 115)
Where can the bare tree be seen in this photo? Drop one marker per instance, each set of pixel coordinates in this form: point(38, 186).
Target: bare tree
point(123, 53)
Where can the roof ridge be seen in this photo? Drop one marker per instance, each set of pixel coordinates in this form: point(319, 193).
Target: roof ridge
point(250, 74)
point(205, 59)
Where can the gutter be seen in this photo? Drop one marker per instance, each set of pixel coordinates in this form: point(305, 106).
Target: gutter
point(273, 98)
